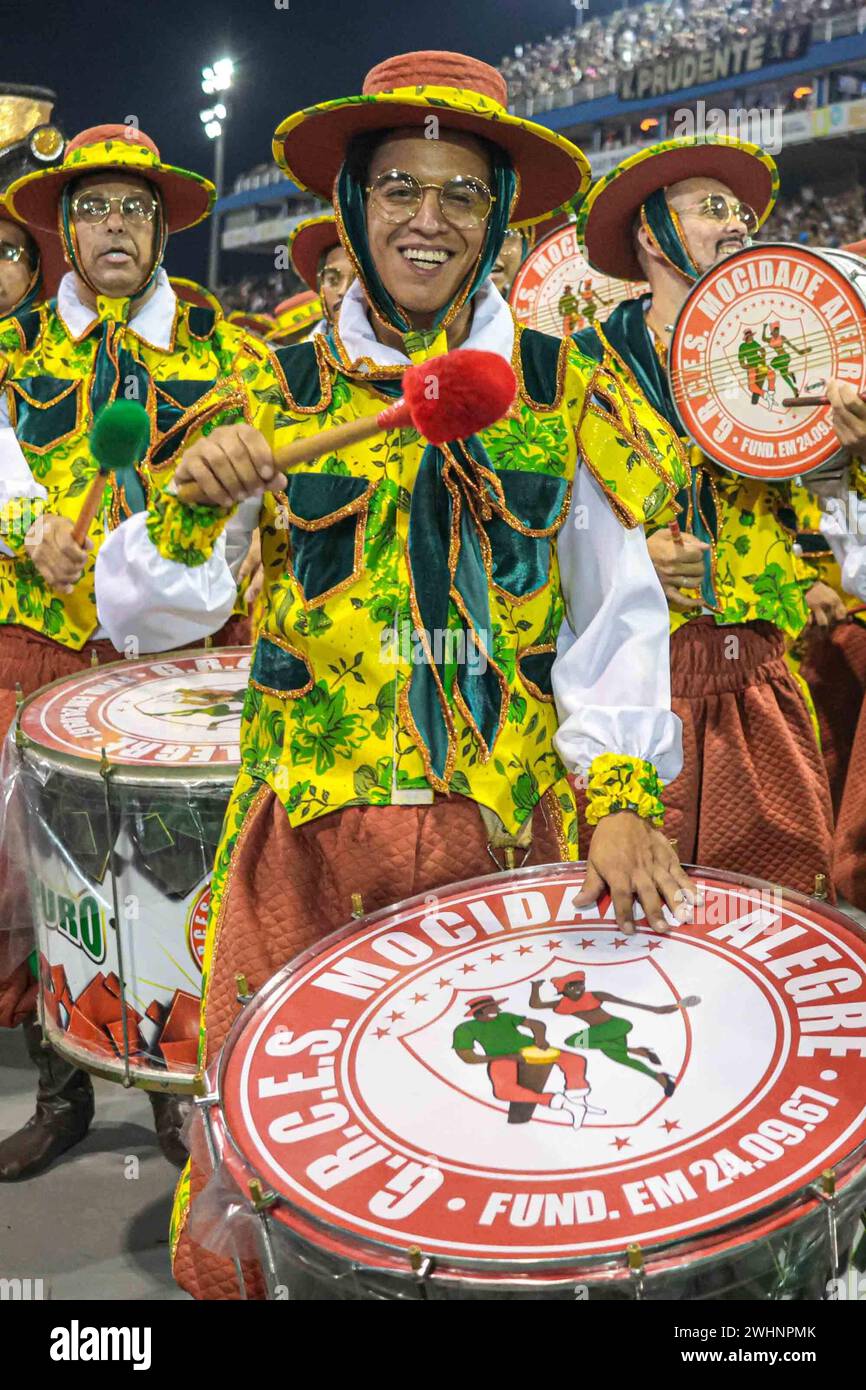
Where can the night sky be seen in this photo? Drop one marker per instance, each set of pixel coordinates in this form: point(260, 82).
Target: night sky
point(109, 61)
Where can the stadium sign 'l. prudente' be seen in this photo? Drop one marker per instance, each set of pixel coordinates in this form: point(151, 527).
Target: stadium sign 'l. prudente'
point(733, 59)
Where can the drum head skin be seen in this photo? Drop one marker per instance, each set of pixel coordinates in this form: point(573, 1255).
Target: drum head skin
point(770, 322)
point(557, 291)
point(726, 1074)
point(174, 716)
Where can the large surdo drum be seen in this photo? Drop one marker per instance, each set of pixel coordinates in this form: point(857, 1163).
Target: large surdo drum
point(126, 771)
point(490, 1094)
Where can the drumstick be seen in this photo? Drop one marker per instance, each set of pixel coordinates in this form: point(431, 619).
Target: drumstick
point(674, 528)
point(448, 397)
point(118, 440)
point(815, 400)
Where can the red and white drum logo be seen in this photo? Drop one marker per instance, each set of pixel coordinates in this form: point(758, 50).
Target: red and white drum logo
point(557, 291)
point(766, 324)
point(498, 1074)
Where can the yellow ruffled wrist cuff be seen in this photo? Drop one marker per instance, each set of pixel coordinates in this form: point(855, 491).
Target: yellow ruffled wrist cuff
point(618, 783)
point(183, 531)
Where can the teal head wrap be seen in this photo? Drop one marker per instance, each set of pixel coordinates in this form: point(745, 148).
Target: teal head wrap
point(664, 228)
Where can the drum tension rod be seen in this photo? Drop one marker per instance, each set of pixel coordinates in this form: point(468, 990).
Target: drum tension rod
point(262, 1201)
point(357, 906)
point(825, 1191)
point(821, 887)
point(20, 736)
point(636, 1269)
point(421, 1266)
point(243, 989)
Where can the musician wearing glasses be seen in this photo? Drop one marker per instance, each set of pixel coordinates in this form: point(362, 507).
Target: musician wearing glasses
point(115, 331)
point(380, 759)
point(753, 796)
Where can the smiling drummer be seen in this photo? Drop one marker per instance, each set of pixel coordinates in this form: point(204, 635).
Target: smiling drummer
point(115, 330)
point(387, 777)
point(753, 795)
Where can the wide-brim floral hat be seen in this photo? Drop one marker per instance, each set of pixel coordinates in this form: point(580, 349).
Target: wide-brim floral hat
point(186, 197)
point(466, 95)
point(606, 218)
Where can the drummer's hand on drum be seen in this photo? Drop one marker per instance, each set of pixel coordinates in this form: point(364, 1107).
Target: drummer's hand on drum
point(59, 559)
point(226, 466)
point(826, 609)
point(679, 564)
point(636, 860)
point(848, 416)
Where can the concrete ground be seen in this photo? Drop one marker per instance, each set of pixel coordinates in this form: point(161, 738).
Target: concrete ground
point(95, 1226)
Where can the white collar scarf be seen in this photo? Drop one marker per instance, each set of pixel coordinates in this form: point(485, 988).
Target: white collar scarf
point(492, 328)
point(153, 321)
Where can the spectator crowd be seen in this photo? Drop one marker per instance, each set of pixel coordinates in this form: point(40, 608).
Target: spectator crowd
point(598, 50)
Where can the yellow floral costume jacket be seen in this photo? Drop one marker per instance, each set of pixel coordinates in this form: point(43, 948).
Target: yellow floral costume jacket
point(53, 386)
point(410, 611)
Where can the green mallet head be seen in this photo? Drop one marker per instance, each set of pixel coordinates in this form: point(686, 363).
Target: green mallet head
point(120, 436)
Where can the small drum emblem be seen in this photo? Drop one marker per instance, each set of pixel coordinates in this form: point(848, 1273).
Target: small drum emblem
point(557, 291)
point(769, 323)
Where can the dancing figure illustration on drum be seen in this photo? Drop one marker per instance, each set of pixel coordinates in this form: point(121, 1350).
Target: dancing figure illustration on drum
point(217, 705)
point(782, 348)
point(753, 358)
point(604, 1030)
point(514, 1049)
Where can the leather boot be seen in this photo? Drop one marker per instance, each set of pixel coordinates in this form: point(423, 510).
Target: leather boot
point(169, 1116)
point(64, 1111)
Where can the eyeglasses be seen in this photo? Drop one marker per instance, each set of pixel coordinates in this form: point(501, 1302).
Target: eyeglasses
point(722, 209)
point(8, 252)
point(334, 279)
point(95, 207)
point(465, 202)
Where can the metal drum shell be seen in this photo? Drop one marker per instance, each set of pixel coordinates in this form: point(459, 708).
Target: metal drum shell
point(182, 806)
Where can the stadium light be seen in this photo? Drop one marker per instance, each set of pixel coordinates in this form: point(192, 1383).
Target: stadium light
point(216, 77)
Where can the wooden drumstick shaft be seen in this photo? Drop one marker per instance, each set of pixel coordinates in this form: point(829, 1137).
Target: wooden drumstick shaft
point(814, 400)
point(330, 441)
point(674, 528)
point(89, 508)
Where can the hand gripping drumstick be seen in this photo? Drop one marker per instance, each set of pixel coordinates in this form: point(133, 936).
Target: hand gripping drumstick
point(118, 440)
point(447, 397)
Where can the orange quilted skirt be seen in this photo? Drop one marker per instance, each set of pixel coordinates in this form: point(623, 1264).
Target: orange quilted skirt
point(287, 888)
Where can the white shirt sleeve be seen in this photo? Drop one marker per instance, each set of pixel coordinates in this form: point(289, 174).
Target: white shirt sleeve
point(611, 674)
point(16, 480)
point(849, 548)
point(156, 605)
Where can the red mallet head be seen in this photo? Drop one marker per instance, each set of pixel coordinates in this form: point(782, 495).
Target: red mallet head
point(453, 396)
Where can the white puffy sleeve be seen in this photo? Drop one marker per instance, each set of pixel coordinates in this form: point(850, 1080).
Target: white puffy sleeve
point(17, 483)
point(159, 604)
point(611, 674)
point(849, 548)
